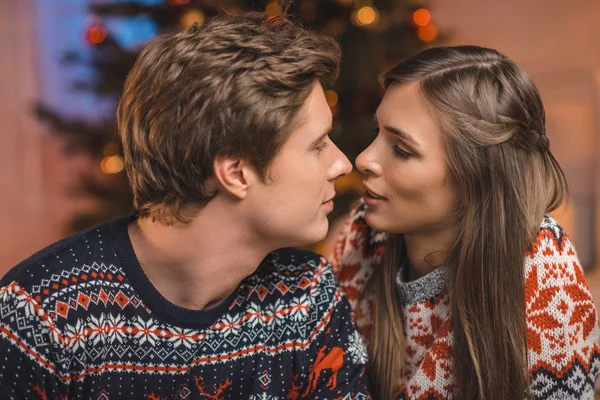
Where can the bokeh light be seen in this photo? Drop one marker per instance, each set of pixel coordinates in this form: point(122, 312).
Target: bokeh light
point(427, 33)
point(273, 9)
point(192, 16)
point(112, 165)
point(421, 17)
point(366, 15)
point(332, 97)
point(95, 34)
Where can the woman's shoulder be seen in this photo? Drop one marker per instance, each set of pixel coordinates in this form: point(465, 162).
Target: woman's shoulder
point(552, 242)
point(551, 263)
point(562, 322)
point(357, 241)
point(357, 253)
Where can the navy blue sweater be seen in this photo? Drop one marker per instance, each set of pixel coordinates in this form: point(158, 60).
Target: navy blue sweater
point(80, 319)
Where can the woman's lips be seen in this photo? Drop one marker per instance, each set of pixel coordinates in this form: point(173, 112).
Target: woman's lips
point(372, 199)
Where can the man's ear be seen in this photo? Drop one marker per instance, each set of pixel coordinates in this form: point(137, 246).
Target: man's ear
point(234, 175)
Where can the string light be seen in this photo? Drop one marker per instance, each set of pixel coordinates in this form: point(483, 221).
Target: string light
point(112, 165)
point(421, 17)
point(190, 17)
point(427, 33)
point(366, 16)
point(95, 34)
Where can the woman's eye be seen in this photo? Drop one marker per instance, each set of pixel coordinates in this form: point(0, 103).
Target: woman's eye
point(401, 153)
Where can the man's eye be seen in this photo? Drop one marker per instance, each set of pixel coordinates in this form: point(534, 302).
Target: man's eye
point(322, 147)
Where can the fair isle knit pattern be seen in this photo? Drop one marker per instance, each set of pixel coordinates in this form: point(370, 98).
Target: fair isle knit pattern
point(80, 320)
point(563, 333)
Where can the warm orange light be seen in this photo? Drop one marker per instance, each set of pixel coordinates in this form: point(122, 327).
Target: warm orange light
point(112, 165)
point(334, 111)
point(422, 17)
point(366, 15)
point(192, 16)
point(351, 182)
point(273, 9)
point(332, 97)
point(95, 35)
point(427, 33)
point(178, 2)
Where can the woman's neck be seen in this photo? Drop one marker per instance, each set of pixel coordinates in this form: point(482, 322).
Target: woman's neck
point(427, 251)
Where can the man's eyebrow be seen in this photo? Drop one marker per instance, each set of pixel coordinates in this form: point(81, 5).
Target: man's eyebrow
point(321, 137)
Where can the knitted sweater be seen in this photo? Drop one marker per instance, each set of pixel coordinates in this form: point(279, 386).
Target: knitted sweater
point(562, 324)
point(81, 320)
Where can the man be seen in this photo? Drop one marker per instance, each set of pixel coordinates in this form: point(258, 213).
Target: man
point(225, 135)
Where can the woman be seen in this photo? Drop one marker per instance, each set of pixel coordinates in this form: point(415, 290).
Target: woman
point(460, 283)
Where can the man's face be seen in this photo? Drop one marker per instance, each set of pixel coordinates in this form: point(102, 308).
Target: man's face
point(291, 207)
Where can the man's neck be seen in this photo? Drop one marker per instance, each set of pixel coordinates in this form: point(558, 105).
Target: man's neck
point(197, 265)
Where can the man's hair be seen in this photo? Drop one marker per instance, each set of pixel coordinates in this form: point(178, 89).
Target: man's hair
point(232, 87)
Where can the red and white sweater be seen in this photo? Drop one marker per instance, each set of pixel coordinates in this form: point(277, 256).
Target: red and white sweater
point(563, 333)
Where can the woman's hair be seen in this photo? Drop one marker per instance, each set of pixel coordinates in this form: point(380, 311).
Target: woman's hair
point(498, 156)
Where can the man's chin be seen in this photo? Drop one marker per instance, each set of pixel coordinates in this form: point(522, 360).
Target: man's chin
point(315, 236)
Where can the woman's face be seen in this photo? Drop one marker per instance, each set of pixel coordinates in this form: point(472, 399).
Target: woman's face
point(409, 189)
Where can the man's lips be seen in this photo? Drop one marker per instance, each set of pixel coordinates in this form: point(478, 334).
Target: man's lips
point(330, 199)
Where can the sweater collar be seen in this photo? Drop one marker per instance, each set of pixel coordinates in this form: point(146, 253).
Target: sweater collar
point(424, 288)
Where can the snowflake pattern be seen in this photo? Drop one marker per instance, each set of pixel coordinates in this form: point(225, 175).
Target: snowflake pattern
point(75, 335)
point(563, 334)
point(183, 337)
point(146, 331)
point(85, 328)
point(299, 308)
point(357, 348)
point(114, 328)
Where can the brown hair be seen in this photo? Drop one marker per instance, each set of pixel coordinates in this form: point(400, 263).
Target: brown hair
point(498, 156)
point(233, 87)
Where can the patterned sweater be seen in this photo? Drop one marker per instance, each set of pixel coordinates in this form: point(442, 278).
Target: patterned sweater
point(80, 319)
point(562, 324)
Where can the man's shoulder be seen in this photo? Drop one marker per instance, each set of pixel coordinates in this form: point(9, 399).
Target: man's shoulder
point(289, 274)
point(291, 296)
point(297, 265)
point(295, 258)
point(82, 248)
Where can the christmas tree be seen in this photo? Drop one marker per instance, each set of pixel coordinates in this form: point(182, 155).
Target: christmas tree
point(373, 34)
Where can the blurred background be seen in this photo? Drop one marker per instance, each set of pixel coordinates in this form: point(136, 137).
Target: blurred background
point(63, 62)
